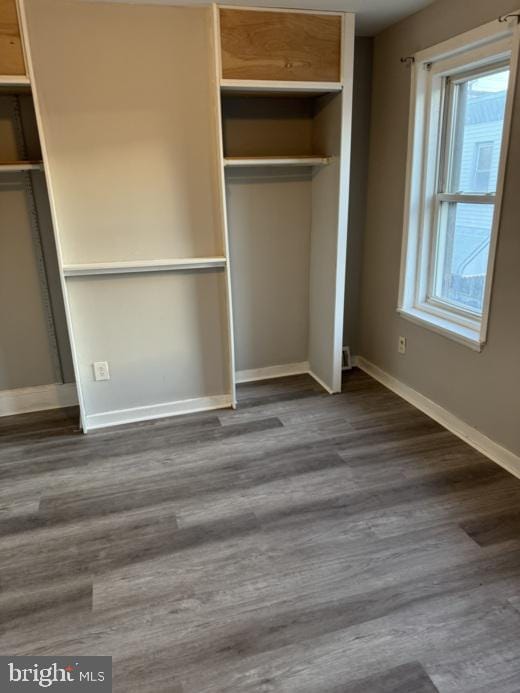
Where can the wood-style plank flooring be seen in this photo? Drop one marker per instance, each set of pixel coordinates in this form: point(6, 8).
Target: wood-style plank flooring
point(301, 544)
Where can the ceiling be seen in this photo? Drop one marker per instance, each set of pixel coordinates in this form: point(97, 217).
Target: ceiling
point(372, 16)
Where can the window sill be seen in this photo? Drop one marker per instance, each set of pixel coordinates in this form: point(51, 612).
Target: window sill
point(467, 336)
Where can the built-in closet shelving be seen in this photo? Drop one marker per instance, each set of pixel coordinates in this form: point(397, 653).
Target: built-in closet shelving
point(133, 176)
point(200, 218)
point(285, 103)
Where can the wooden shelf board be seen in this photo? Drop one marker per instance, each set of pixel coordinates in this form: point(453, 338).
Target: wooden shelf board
point(235, 161)
point(14, 80)
point(273, 87)
point(9, 166)
point(139, 266)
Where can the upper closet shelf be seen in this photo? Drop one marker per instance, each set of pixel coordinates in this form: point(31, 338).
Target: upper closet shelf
point(245, 86)
point(10, 166)
point(233, 161)
point(137, 266)
point(14, 81)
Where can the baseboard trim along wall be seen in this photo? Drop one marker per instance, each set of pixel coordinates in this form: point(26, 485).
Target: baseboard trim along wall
point(272, 372)
point(28, 399)
point(320, 382)
point(156, 411)
point(280, 372)
point(505, 458)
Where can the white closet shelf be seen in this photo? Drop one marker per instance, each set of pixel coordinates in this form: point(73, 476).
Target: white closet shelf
point(9, 166)
point(137, 266)
point(246, 86)
point(14, 81)
point(276, 161)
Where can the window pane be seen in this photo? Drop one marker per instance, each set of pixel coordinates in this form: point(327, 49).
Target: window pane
point(462, 253)
point(478, 125)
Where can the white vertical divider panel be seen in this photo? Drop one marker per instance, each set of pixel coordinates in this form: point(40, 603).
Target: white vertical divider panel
point(122, 95)
point(330, 191)
point(52, 203)
point(221, 183)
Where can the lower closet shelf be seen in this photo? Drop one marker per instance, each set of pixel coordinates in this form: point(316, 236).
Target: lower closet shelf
point(276, 161)
point(135, 266)
point(13, 166)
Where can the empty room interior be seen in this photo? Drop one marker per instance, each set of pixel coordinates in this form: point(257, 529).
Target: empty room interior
point(260, 346)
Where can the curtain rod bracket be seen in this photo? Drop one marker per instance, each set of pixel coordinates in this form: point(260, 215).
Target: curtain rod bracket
point(507, 17)
point(408, 60)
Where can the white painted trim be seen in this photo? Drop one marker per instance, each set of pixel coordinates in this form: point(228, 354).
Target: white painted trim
point(21, 166)
point(277, 161)
point(503, 457)
point(347, 77)
point(221, 185)
point(39, 398)
point(14, 81)
point(156, 411)
point(270, 372)
point(278, 86)
point(504, 158)
point(323, 384)
point(446, 328)
point(54, 216)
point(135, 266)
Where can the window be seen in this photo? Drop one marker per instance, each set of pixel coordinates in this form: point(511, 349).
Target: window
point(458, 138)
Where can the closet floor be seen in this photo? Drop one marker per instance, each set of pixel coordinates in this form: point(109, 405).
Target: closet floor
point(301, 544)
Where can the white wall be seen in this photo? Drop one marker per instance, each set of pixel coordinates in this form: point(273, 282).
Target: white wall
point(161, 334)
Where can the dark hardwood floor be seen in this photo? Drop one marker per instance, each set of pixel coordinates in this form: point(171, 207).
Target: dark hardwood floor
point(301, 544)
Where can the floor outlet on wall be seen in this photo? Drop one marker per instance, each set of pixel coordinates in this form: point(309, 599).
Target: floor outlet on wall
point(402, 345)
point(101, 371)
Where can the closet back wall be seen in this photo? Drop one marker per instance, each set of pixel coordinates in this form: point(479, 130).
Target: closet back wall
point(124, 95)
point(27, 350)
point(270, 228)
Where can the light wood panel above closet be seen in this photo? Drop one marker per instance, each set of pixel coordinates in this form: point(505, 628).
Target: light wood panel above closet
point(11, 53)
point(280, 45)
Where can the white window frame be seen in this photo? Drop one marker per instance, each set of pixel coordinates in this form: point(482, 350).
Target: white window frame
point(492, 43)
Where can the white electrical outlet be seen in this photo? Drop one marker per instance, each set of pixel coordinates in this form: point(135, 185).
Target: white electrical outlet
point(402, 345)
point(101, 371)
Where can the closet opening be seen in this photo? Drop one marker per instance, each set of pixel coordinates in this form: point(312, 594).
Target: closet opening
point(281, 156)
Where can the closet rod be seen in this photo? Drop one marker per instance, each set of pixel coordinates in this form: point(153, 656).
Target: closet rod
point(140, 266)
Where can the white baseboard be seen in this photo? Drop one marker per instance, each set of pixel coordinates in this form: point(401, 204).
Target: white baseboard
point(272, 372)
point(156, 411)
point(27, 399)
point(320, 382)
point(505, 458)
